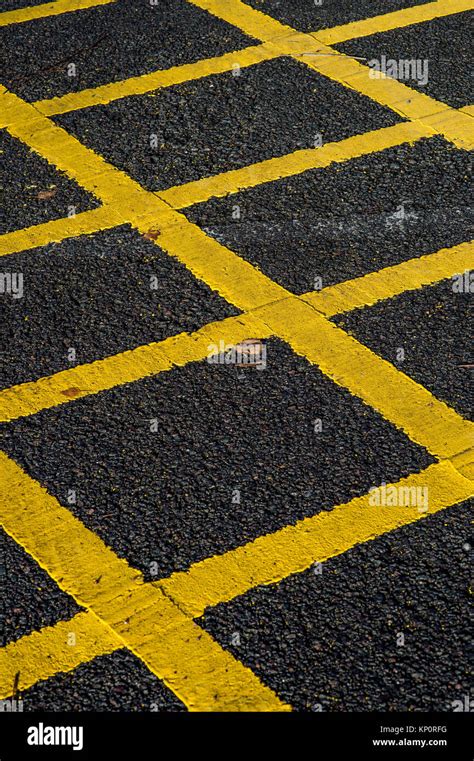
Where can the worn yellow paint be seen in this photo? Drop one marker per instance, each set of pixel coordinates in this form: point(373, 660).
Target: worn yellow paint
point(292, 164)
point(412, 408)
point(77, 382)
point(190, 662)
point(51, 650)
point(392, 281)
point(48, 9)
point(293, 549)
point(57, 230)
point(394, 20)
point(220, 578)
point(146, 83)
point(248, 20)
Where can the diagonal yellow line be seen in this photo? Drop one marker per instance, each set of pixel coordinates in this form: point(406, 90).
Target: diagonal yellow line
point(386, 22)
point(184, 656)
point(217, 579)
point(392, 281)
point(309, 49)
point(48, 9)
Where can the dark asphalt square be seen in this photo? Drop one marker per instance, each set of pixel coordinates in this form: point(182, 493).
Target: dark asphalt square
point(116, 682)
point(309, 16)
point(199, 460)
point(109, 43)
point(32, 190)
point(98, 295)
point(13, 5)
point(383, 627)
point(432, 327)
point(31, 599)
point(333, 224)
point(224, 122)
point(445, 43)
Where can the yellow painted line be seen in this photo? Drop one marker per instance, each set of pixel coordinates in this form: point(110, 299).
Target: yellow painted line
point(57, 230)
point(293, 549)
point(347, 71)
point(469, 110)
point(190, 662)
point(392, 281)
point(394, 20)
point(53, 650)
point(409, 406)
point(291, 164)
point(146, 83)
point(48, 9)
point(77, 382)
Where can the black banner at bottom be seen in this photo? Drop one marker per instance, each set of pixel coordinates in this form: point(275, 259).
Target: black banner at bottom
point(109, 735)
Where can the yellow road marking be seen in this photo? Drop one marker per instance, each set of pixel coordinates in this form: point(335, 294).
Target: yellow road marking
point(392, 281)
point(48, 9)
point(54, 649)
point(29, 398)
point(292, 164)
point(57, 230)
point(349, 72)
point(221, 578)
point(394, 20)
point(293, 549)
point(190, 662)
point(145, 83)
point(412, 408)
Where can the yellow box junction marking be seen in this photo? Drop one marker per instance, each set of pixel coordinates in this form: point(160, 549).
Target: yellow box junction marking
point(186, 657)
point(55, 8)
point(203, 675)
point(221, 578)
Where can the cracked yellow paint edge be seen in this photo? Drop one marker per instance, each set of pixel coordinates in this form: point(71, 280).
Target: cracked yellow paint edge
point(390, 21)
point(203, 675)
point(56, 8)
point(392, 281)
point(220, 578)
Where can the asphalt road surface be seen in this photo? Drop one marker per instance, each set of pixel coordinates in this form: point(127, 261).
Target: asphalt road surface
point(236, 409)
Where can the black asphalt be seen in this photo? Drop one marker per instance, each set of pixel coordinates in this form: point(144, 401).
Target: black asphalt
point(444, 43)
point(341, 222)
point(310, 15)
point(32, 191)
point(109, 43)
point(328, 642)
point(116, 682)
point(433, 327)
point(30, 598)
point(99, 295)
point(232, 457)
point(224, 122)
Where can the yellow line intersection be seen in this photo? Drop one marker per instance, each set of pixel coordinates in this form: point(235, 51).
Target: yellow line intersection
point(155, 620)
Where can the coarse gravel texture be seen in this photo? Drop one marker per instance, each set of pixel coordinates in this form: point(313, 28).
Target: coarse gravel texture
point(222, 122)
point(348, 219)
point(328, 641)
point(431, 325)
point(115, 682)
point(109, 43)
point(309, 16)
point(97, 294)
point(196, 461)
point(30, 598)
point(443, 43)
point(25, 180)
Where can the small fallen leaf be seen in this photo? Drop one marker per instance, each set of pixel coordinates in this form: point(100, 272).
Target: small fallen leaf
point(151, 234)
point(43, 195)
point(71, 392)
